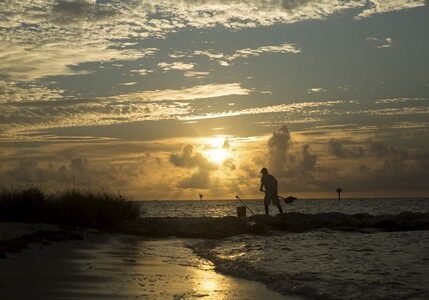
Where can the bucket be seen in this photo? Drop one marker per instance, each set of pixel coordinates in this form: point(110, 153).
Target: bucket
point(241, 211)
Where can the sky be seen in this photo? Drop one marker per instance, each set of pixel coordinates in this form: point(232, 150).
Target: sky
point(168, 99)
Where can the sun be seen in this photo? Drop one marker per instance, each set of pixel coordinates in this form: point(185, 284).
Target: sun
point(217, 151)
point(217, 156)
point(216, 141)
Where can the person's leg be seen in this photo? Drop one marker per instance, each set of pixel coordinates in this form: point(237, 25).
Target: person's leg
point(280, 208)
point(266, 210)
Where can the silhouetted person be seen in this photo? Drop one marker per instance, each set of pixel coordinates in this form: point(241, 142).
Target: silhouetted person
point(269, 186)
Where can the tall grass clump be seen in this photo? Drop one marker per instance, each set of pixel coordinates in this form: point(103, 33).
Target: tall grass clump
point(69, 207)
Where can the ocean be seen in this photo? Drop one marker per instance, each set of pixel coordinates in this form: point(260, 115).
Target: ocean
point(319, 264)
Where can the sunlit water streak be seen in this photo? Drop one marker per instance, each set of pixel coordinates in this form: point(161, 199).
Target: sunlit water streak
point(322, 264)
point(221, 208)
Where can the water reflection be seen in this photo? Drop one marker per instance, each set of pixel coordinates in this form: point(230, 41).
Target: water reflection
point(210, 285)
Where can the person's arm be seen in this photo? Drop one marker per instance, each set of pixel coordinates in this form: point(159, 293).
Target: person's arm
point(262, 186)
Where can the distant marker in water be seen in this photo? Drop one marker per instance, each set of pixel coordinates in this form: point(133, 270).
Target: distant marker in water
point(339, 190)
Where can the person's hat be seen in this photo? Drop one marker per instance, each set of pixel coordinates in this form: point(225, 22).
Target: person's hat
point(264, 171)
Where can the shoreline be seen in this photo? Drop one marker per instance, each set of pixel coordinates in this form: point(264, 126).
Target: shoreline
point(57, 263)
point(119, 266)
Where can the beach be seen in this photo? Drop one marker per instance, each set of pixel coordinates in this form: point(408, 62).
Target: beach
point(117, 266)
point(317, 249)
point(222, 149)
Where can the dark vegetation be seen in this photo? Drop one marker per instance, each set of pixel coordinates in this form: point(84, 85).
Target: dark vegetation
point(102, 210)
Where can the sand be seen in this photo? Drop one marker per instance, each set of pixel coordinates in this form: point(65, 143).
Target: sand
point(114, 266)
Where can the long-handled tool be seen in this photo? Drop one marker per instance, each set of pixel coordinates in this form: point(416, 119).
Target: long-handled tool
point(241, 201)
point(287, 200)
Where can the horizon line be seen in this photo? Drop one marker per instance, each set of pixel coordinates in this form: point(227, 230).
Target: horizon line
point(306, 199)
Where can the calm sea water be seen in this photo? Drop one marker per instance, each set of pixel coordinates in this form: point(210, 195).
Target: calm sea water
point(322, 264)
point(221, 208)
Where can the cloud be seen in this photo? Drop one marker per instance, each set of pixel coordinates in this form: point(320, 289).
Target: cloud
point(198, 180)
point(337, 148)
point(27, 171)
point(293, 164)
point(383, 174)
point(196, 92)
point(226, 144)
point(229, 164)
point(282, 48)
point(177, 54)
point(80, 165)
point(76, 171)
point(381, 43)
point(29, 118)
point(227, 60)
point(11, 91)
point(32, 61)
point(196, 74)
point(199, 169)
point(383, 6)
point(301, 108)
point(189, 159)
point(249, 13)
point(180, 66)
point(307, 165)
point(381, 150)
point(128, 83)
point(313, 110)
point(398, 100)
point(410, 110)
point(81, 11)
point(284, 160)
point(210, 54)
point(142, 72)
point(365, 149)
point(372, 166)
point(309, 160)
point(278, 145)
point(48, 38)
point(22, 122)
point(316, 90)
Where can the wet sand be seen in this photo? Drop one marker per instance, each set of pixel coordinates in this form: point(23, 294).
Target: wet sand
point(119, 267)
point(9, 231)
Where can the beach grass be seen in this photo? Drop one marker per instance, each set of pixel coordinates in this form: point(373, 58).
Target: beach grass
point(96, 209)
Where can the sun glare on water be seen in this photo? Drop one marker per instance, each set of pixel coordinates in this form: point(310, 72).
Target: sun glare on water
point(217, 152)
